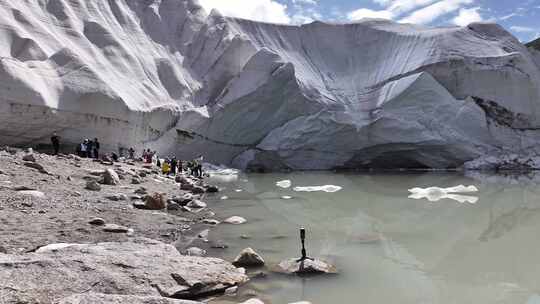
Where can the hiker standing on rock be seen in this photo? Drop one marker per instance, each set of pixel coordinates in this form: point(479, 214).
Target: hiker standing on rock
point(197, 166)
point(174, 165)
point(89, 148)
point(166, 167)
point(131, 152)
point(55, 140)
point(95, 147)
point(83, 148)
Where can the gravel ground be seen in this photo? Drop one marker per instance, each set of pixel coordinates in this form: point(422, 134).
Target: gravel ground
point(62, 216)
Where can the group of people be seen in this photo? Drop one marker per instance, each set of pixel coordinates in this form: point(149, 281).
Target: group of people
point(169, 166)
point(148, 156)
point(89, 148)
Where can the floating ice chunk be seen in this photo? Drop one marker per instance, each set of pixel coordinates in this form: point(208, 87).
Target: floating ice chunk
point(286, 197)
point(463, 198)
point(434, 194)
point(461, 189)
point(221, 173)
point(325, 188)
point(219, 170)
point(238, 190)
point(224, 197)
point(284, 184)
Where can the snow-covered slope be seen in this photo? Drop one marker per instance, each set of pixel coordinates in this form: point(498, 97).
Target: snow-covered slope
point(162, 74)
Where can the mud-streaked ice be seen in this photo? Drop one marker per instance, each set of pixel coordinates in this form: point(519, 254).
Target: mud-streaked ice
point(166, 75)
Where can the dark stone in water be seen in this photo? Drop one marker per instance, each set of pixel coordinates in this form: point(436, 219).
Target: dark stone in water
point(306, 267)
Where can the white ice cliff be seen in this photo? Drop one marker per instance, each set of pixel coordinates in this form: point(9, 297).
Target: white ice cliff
point(162, 74)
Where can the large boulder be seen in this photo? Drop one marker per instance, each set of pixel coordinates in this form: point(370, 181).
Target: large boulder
point(141, 268)
point(306, 267)
point(29, 157)
point(248, 258)
point(156, 201)
point(235, 220)
point(93, 185)
point(94, 298)
point(110, 177)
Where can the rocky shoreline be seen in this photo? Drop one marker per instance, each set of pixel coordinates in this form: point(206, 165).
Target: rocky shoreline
point(77, 230)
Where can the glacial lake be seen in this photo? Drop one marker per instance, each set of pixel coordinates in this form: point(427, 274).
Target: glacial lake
point(389, 248)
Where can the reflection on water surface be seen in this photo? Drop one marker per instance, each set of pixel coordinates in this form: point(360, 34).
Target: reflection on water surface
point(391, 248)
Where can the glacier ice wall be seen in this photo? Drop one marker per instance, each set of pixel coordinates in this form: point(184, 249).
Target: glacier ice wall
point(164, 74)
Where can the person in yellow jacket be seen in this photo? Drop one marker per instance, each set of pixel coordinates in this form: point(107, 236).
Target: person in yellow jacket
point(166, 167)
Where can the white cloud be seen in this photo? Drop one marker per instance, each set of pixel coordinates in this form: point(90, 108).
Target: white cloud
point(259, 10)
point(506, 17)
point(392, 9)
point(434, 11)
point(467, 16)
point(403, 6)
point(522, 29)
point(301, 19)
point(310, 2)
point(367, 13)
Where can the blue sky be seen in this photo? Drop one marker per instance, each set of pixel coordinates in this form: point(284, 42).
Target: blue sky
point(521, 17)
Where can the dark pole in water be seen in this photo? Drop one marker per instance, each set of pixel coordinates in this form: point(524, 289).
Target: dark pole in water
point(303, 240)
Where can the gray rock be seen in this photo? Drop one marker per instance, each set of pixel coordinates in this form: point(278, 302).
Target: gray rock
point(187, 186)
point(198, 190)
point(93, 185)
point(195, 251)
point(157, 201)
point(117, 268)
point(172, 205)
point(184, 199)
point(97, 221)
point(212, 222)
point(196, 204)
point(141, 191)
point(23, 188)
point(33, 193)
point(136, 181)
point(235, 220)
point(253, 301)
point(29, 157)
point(219, 244)
point(115, 228)
point(36, 166)
point(248, 258)
point(117, 197)
point(3, 249)
point(96, 172)
point(138, 204)
point(204, 234)
point(92, 298)
point(307, 267)
point(110, 177)
point(180, 179)
point(212, 189)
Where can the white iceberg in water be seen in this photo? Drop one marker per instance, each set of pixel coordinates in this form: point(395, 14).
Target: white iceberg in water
point(325, 188)
point(434, 194)
point(221, 173)
point(284, 184)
